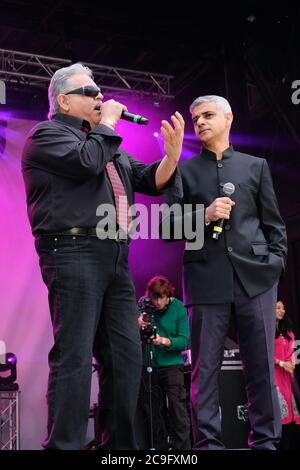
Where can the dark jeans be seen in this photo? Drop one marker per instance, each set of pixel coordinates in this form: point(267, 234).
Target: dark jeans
point(255, 319)
point(169, 409)
point(89, 285)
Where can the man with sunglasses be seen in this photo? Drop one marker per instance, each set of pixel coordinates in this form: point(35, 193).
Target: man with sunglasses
point(72, 165)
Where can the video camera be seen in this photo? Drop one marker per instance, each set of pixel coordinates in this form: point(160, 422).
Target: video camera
point(148, 332)
point(145, 305)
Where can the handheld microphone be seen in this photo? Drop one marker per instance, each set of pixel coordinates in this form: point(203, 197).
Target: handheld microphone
point(136, 118)
point(228, 190)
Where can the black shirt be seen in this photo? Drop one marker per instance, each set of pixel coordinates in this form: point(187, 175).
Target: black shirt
point(65, 177)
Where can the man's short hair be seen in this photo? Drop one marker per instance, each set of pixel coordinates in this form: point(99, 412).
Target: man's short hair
point(60, 84)
point(221, 102)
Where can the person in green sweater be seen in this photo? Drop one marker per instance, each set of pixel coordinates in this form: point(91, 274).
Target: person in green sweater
point(169, 321)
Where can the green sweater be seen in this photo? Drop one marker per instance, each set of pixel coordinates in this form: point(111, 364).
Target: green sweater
point(173, 324)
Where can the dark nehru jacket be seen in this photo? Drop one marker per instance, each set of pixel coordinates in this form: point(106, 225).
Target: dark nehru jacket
point(253, 242)
point(63, 169)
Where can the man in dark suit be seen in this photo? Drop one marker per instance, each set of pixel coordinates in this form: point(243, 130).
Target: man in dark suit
point(73, 167)
point(237, 270)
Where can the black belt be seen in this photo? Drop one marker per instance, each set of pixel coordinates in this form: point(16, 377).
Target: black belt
point(116, 235)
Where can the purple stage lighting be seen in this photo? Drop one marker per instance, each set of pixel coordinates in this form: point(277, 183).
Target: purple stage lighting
point(8, 366)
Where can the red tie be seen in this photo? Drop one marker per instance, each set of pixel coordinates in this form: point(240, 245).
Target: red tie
point(124, 218)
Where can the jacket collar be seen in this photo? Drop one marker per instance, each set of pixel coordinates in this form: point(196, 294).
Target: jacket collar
point(208, 154)
point(74, 121)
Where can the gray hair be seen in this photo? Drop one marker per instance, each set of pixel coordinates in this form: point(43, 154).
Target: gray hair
point(60, 84)
point(221, 102)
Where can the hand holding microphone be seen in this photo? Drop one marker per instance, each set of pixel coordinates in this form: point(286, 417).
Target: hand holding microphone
point(219, 210)
point(112, 111)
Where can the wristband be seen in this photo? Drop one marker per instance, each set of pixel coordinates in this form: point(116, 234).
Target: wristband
point(281, 363)
point(109, 122)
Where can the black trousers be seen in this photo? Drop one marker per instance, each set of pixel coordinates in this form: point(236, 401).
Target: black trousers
point(169, 409)
point(91, 299)
point(255, 319)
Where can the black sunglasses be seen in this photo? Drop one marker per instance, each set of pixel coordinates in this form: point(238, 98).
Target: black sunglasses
point(87, 90)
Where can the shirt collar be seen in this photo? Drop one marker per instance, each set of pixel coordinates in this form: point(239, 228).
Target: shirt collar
point(208, 154)
point(74, 121)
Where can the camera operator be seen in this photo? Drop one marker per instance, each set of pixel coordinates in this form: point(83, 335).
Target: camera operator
point(164, 325)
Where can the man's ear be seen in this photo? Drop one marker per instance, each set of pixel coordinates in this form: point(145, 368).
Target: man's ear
point(64, 103)
point(229, 119)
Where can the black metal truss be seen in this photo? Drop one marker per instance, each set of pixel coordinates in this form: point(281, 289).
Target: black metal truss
point(33, 70)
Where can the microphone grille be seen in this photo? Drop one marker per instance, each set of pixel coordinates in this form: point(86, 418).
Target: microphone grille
point(228, 189)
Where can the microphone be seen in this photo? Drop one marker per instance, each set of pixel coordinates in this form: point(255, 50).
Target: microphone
point(228, 189)
point(136, 118)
